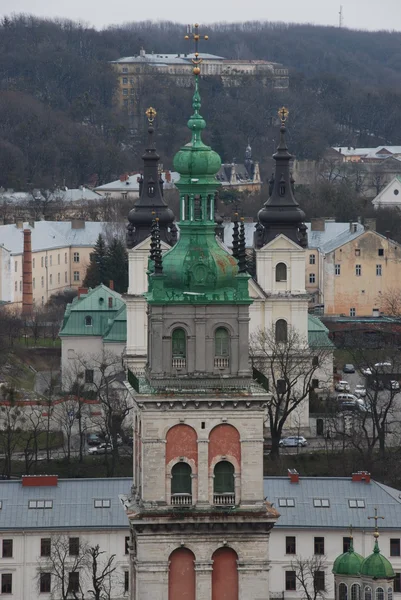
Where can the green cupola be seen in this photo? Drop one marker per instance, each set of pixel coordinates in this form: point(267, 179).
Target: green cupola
point(376, 565)
point(348, 563)
point(198, 269)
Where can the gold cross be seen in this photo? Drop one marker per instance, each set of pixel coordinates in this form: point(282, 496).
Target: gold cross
point(151, 114)
point(283, 114)
point(195, 36)
point(376, 518)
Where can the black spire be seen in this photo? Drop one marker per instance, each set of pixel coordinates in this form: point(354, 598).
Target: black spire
point(241, 247)
point(281, 213)
point(235, 236)
point(152, 253)
point(158, 250)
point(150, 198)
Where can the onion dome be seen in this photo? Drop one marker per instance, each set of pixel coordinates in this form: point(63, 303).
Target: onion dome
point(150, 199)
point(281, 213)
point(348, 563)
point(376, 565)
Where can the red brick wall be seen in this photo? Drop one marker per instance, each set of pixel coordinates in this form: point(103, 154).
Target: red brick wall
point(224, 575)
point(224, 440)
point(181, 580)
point(181, 441)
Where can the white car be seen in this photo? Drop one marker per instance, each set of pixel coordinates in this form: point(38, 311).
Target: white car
point(293, 441)
point(101, 449)
point(394, 385)
point(360, 391)
point(342, 386)
point(366, 371)
point(381, 365)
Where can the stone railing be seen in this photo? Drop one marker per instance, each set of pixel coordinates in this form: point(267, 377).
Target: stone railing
point(179, 363)
point(221, 362)
point(181, 499)
point(226, 499)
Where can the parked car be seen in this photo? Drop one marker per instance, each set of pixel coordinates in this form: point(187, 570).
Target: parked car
point(346, 398)
point(93, 439)
point(352, 405)
point(392, 385)
point(342, 386)
point(348, 368)
point(360, 391)
point(101, 449)
point(383, 365)
point(366, 371)
point(293, 441)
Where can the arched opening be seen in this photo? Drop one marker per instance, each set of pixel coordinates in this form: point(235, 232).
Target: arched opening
point(355, 591)
point(368, 593)
point(221, 348)
point(379, 593)
point(179, 348)
point(224, 484)
point(181, 484)
point(181, 577)
point(281, 272)
point(319, 427)
point(225, 575)
point(281, 331)
point(342, 592)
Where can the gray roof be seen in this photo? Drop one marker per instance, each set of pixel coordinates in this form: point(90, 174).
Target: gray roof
point(48, 235)
point(73, 504)
point(338, 490)
point(131, 184)
point(79, 194)
point(160, 58)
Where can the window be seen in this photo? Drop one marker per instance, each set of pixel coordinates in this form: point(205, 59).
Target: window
point(40, 504)
point(58, 259)
point(65, 277)
point(102, 503)
point(125, 101)
point(51, 259)
point(390, 593)
point(379, 593)
point(346, 544)
point(127, 544)
point(125, 92)
point(125, 80)
point(355, 503)
point(358, 270)
point(58, 278)
point(315, 361)
point(223, 478)
point(65, 258)
point(221, 342)
point(88, 321)
point(20, 285)
point(319, 581)
point(352, 312)
point(337, 269)
point(368, 593)
point(357, 252)
point(179, 343)
point(394, 547)
point(378, 270)
point(281, 386)
point(290, 581)
point(73, 582)
point(290, 545)
point(45, 583)
point(286, 502)
point(16, 266)
point(321, 503)
point(397, 583)
point(281, 272)
point(74, 546)
point(16, 286)
point(33, 263)
point(312, 259)
point(7, 548)
point(181, 482)
point(126, 581)
point(380, 252)
point(355, 591)
point(125, 69)
point(6, 583)
point(33, 283)
point(76, 275)
point(45, 546)
point(42, 281)
point(312, 278)
point(76, 257)
point(42, 261)
point(319, 545)
point(88, 375)
point(51, 279)
point(343, 591)
point(281, 331)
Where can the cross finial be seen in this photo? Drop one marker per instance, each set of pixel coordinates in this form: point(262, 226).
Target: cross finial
point(376, 518)
point(193, 34)
point(283, 114)
point(151, 114)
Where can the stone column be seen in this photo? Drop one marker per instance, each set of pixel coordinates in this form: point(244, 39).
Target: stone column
point(200, 350)
point(253, 580)
point(203, 471)
point(203, 571)
point(243, 343)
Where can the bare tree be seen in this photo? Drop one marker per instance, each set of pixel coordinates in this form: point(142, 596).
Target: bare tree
point(34, 426)
point(290, 367)
point(310, 575)
point(102, 570)
point(390, 302)
point(12, 420)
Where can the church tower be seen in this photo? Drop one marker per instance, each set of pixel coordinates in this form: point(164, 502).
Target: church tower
point(199, 521)
point(150, 203)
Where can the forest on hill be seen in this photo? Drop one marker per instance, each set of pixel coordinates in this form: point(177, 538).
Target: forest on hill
point(59, 124)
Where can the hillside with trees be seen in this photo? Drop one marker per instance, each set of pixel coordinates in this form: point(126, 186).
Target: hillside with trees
point(59, 124)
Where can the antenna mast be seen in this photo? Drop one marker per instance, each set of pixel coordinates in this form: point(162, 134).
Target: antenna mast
point(340, 17)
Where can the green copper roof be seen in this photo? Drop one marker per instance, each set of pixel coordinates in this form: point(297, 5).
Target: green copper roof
point(376, 565)
point(318, 334)
point(198, 269)
point(117, 329)
point(348, 563)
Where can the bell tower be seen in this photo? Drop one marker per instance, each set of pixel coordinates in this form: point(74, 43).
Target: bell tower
point(199, 521)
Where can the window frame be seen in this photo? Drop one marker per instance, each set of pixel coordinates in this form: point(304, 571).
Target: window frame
point(127, 543)
point(73, 546)
point(312, 259)
point(346, 543)
point(73, 586)
point(379, 270)
point(89, 376)
point(45, 547)
point(321, 503)
point(281, 337)
point(337, 269)
point(76, 276)
point(290, 581)
point(4, 583)
point(358, 270)
point(312, 278)
point(224, 481)
point(283, 270)
point(88, 321)
point(322, 576)
point(397, 543)
point(76, 257)
point(352, 312)
point(7, 548)
point(102, 503)
point(45, 582)
point(176, 343)
point(223, 341)
point(318, 545)
point(290, 544)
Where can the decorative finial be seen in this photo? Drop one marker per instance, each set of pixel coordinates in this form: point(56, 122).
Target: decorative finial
point(242, 248)
point(376, 518)
point(195, 36)
point(151, 114)
point(283, 114)
point(158, 250)
point(152, 252)
point(350, 532)
point(235, 236)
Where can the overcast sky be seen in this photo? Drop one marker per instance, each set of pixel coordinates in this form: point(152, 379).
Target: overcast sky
point(360, 14)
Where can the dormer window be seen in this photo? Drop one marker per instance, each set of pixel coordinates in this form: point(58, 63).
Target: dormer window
point(88, 321)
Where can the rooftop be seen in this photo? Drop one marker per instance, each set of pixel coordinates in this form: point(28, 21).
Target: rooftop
point(130, 182)
point(161, 58)
point(368, 152)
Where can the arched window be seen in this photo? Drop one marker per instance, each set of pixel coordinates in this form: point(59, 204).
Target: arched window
point(181, 484)
point(379, 593)
point(281, 272)
point(281, 330)
point(221, 347)
point(368, 593)
point(179, 343)
point(342, 592)
point(88, 321)
point(390, 593)
point(355, 591)
point(224, 485)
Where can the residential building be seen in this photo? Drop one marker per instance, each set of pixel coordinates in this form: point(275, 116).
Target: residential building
point(351, 154)
point(94, 331)
point(60, 256)
point(128, 185)
point(390, 196)
point(241, 177)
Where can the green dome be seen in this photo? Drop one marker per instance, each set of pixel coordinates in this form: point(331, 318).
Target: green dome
point(377, 566)
point(348, 563)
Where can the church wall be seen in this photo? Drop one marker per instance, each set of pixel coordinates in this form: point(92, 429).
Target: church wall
point(225, 575)
point(181, 580)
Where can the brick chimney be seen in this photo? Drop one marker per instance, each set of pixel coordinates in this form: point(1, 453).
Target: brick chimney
point(293, 475)
point(111, 284)
point(361, 476)
point(27, 294)
point(39, 480)
point(167, 176)
point(82, 291)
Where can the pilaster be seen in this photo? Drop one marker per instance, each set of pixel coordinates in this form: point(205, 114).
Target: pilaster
point(203, 570)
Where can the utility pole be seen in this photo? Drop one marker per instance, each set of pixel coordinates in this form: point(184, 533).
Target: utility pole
point(340, 17)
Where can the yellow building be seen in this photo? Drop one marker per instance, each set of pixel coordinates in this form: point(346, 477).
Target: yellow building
point(60, 256)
